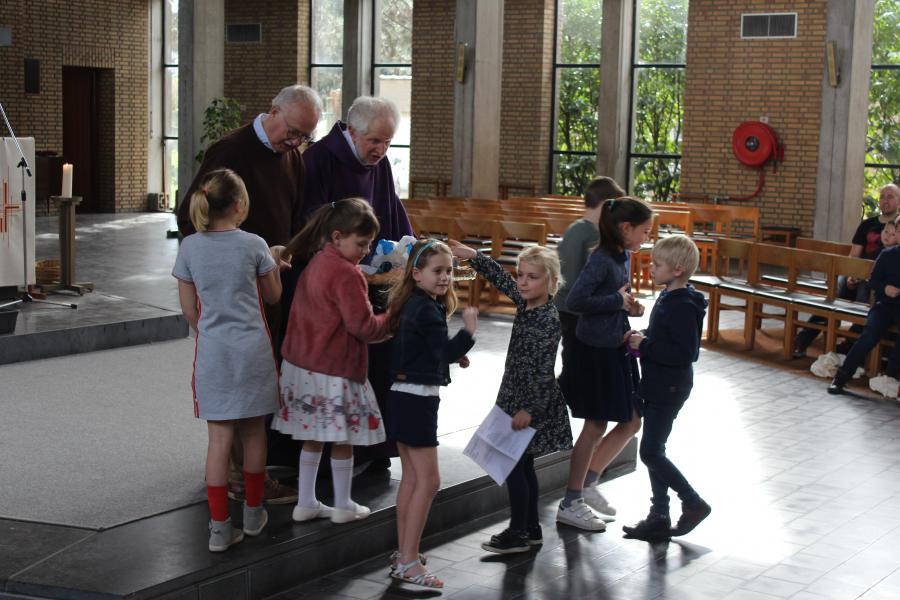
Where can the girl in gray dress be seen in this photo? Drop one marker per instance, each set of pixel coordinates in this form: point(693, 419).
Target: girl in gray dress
point(529, 392)
point(222, 272)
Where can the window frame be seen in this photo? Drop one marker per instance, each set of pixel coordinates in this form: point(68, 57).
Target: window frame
point(164, 119)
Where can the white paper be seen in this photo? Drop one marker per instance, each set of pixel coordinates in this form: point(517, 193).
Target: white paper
point(496, 447)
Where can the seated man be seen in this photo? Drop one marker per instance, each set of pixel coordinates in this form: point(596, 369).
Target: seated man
point(866, 244)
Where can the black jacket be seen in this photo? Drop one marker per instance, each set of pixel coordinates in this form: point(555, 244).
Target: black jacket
point(422, 351)
point(672, 342)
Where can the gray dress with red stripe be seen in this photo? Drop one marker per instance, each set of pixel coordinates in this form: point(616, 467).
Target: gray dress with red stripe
point(235, 373)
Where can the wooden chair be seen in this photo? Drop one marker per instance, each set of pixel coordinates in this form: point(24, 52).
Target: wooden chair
point(846, 310)
point(479, 234)
point(510, 239)
point(811, 299)
point(823, 246)
point(674, 221)
point(770, 292)
point(442, 228)
point(728, 282)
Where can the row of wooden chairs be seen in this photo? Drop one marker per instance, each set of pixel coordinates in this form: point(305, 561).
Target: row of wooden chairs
point(768, 282)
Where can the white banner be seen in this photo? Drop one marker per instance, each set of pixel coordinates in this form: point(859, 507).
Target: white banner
point(11, 227)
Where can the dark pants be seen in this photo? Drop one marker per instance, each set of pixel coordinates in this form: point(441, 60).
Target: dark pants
point(568, 323)
point(522, 486)
point(806, 336)
point(881, 317)
point(660, 410)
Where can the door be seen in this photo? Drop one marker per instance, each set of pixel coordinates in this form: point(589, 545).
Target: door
point(81, 134)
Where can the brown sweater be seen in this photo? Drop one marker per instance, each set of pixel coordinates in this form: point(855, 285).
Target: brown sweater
point(274, 183)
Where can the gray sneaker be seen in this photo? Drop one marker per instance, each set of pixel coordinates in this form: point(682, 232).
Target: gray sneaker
point(222, 535)
point(254, 519)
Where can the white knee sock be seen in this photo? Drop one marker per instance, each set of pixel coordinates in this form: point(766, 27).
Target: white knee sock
point(306, 484)
point(342, 476)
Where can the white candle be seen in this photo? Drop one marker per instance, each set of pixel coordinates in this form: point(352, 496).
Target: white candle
point(67, 181)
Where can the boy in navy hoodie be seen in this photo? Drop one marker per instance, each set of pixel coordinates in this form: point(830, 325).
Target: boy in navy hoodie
point(667, 351)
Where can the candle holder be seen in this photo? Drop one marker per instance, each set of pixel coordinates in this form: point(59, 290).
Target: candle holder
point(66, 213)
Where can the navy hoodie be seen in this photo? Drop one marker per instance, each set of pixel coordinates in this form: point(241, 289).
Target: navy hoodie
point(672, 342)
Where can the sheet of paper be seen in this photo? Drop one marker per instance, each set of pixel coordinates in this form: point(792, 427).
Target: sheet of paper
point(496, 447)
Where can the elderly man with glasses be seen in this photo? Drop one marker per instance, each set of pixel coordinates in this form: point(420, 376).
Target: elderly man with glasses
point(266, 154)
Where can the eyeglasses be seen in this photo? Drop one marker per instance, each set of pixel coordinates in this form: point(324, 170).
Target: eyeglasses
point(293, 133)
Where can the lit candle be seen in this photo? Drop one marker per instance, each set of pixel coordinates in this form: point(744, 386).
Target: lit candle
point(67, 181)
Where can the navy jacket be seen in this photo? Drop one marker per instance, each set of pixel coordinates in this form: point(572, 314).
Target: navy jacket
point(422, 351)
point(602, 321)
point(886, 272)
point(672, 342)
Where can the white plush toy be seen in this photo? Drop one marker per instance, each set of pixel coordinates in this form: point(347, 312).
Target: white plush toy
point(390, 255)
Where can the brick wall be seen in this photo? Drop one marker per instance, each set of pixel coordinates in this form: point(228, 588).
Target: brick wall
point(433, 67)
point(104, 34)
point(730, 80)
point(254, 73)
point(527, 95)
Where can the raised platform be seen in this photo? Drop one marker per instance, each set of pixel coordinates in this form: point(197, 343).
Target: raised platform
point(165, 556)
point(101, 321)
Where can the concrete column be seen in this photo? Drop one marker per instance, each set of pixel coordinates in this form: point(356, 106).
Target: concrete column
point(201, 75)
point(842, 132)
point(357, 71)
point(476, 158)
point(615, 84)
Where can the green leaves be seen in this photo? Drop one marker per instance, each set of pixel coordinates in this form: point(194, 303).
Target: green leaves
point(221, 116)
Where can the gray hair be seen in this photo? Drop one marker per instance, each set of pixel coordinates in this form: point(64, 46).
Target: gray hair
point(299, 94)
point(366, 109)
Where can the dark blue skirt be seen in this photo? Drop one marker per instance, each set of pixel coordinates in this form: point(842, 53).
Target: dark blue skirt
point(601, 383)
point(412, 419)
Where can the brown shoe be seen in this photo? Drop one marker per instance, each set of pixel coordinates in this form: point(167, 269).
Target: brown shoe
point(236, 491)
point(275, 492)
point(691, 516)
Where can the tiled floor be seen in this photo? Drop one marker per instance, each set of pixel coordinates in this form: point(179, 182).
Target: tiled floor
point(805, 489)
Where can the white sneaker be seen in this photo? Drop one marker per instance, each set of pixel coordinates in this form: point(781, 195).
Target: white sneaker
point(302, 513)
point(354, 513)
point(580, 515)
point(884, 385)
point(594, 499)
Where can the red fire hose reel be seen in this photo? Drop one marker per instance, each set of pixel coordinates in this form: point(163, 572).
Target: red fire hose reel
point(755, 144)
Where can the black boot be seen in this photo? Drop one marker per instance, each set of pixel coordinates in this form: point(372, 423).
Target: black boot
point(654, 527)
point(838, 383)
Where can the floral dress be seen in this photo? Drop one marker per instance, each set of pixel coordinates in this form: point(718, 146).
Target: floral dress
point(529, 379)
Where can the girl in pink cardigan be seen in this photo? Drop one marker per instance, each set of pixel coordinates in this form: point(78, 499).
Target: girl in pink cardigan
point(324, 391)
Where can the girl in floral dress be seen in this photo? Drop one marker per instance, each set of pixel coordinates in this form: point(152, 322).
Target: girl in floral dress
point(324, 389)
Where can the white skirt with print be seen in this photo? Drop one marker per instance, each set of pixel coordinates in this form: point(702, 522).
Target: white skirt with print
point(325, 408)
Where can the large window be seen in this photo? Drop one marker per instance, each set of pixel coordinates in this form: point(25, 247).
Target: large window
point(392, 76)
point(883, 141)
point(326, 42)
point(576, 89)
point(657, 100)
point(170, 98)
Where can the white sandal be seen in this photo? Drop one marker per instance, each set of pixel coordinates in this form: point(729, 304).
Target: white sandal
point(424, 579)
point(394, 559)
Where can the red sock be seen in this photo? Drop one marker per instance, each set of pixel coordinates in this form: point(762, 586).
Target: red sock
point(253, 488)
point(217, 496)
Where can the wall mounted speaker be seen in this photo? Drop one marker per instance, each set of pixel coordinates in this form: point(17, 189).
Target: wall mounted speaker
point(32, 76)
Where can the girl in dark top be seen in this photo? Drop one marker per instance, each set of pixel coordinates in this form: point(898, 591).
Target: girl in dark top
point(529, 392)
point(419, 306)
point(607, 386)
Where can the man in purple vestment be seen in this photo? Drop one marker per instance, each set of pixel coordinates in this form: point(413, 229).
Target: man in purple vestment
point(349, 162)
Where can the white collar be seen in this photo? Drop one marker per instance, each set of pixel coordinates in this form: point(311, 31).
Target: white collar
point(353, 149)
point(261, 133)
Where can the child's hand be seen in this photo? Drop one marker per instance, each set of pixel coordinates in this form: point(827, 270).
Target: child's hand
point(891, 291)
point(461, 251)
point(852, 282)
point(521, 420)
point(627, 298)
point(637, 309)
point(464, 362)
point(635, 339)
point(470, 319)
point(282, 259)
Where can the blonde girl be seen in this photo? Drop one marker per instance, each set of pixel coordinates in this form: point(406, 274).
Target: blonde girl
point(222, 273)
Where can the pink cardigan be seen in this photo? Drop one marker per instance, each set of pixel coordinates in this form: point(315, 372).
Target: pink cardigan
point(331, 319)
